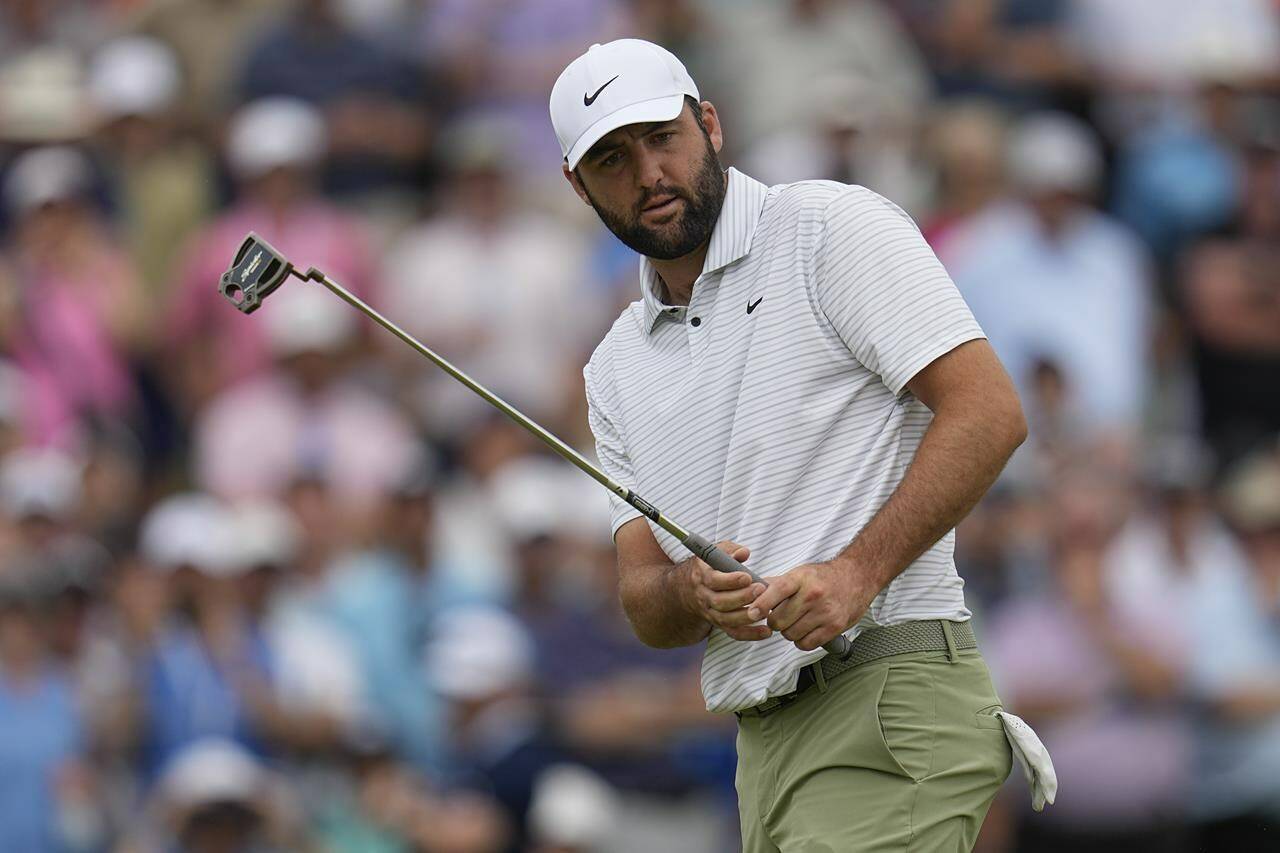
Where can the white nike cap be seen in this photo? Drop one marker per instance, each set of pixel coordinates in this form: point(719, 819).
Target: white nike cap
point(628, 81)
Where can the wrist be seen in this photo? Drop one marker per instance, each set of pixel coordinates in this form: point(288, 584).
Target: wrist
point(860, 579)
point(681, 578)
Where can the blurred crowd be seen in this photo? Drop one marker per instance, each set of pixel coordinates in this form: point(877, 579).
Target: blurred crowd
point(276, 583)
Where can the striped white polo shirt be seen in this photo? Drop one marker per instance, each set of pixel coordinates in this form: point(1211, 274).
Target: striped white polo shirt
point(772, 410)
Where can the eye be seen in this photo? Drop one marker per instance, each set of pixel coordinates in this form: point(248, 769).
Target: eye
point(662, 137)
point(612, 160)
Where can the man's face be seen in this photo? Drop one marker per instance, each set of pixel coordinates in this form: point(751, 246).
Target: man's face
point(658, 187)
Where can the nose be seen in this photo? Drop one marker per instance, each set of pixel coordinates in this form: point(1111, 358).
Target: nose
point(648, 169)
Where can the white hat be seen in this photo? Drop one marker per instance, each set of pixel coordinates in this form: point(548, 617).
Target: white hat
point(212, 771)
point(39, 482)
point(133, 76)
point(305, 318)
point(263, 533)
point(572, 807)
point(537, 495)
point(477, 652)
point(42, 96)
point(274, 132)
point(1054, 151)
point(43, 175)
point(627, 81)
point(192, 529)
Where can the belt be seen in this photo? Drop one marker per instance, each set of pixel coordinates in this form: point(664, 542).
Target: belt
point(934, 635)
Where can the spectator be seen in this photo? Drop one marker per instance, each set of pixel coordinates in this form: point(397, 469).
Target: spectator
point(377, 115)
point(486, 284)
point(1177, 178)
point(73, 309)
point(807, 41)
point(308, 419)
point(44, 804)
point(317, 683)
point(1050, 277)
point(161, 181)
point(573, 811)
point(501, 57)
point(633, 715)
point(480, 662)
point(1237, 798)
point(215, 797)
point(1011, 51)
point(966, 145)
point(1157, 45)
point(211, 39)
point(1228, 294)
point(854, 134)
point(1098, 684)
point(208, 671)
point(274, 149)
point(388, 597)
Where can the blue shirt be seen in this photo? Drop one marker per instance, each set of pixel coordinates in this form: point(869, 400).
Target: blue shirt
point(40, 731)
point(190, 696)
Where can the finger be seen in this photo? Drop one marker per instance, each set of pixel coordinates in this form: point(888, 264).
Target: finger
point(803, 627)
point(816, 639)
point(733, 549)
point(779, 590)
point(725, 602)
point(733, 619)
point(786, 614)
point(721, 582)
point(749, 632)
point(806, 600)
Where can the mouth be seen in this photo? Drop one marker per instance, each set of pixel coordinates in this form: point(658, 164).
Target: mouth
point(662, 207)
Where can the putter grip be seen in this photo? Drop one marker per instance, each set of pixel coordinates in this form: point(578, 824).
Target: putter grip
point(723, 562)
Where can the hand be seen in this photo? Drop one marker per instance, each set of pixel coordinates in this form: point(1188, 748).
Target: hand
point(721, 598)
point(813, 603)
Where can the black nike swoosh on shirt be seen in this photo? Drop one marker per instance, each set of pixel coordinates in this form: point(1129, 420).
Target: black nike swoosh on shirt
point(751, 306)
point(588, 100)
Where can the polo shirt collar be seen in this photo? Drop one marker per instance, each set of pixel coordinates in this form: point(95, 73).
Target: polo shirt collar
point(730, 239)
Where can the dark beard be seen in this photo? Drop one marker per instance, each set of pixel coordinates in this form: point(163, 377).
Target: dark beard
point(691, 229)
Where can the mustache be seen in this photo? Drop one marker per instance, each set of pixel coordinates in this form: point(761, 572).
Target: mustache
point(660, 192)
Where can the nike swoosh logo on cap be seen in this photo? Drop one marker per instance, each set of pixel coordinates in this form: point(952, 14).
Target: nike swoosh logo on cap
point(588, 100)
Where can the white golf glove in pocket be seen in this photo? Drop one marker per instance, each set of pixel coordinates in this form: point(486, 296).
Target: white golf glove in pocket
point(1034, 759)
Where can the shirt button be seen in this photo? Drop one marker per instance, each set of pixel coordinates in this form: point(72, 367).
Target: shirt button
point(695, 322)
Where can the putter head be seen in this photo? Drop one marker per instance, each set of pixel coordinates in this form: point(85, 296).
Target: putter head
point(257, 270)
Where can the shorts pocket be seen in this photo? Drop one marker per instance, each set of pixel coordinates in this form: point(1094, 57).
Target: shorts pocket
point(907, 717)
point(987, 719)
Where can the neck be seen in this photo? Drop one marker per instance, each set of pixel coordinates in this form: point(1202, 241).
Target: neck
point(679, 274)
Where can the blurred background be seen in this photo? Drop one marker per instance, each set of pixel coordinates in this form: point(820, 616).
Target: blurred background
point(276, 583)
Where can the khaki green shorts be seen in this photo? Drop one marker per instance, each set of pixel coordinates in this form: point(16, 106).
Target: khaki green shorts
point(900, 754)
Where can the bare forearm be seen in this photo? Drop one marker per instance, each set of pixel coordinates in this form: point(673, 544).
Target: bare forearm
point(658, 602)
point(960, 456)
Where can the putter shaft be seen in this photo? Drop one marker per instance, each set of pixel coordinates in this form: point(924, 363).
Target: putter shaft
point(698, 545)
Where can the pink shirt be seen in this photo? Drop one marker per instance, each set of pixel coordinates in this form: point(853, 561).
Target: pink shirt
point(253, 440)
point(314, 234)
point(1120, 763)
point(72, 364)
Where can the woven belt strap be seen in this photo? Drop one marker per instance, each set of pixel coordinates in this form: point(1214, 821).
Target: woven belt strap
point(874, 644)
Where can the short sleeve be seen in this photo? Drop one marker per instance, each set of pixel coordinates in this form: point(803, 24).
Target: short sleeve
point(883, 290)
point(611, 450)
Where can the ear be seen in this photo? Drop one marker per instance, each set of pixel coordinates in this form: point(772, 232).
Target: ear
point(575, 183)
point(711, 119)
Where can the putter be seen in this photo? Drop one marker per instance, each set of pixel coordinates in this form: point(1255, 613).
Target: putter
point(258, 270)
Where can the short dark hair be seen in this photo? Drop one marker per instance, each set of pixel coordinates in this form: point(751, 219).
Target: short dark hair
point(696, 107)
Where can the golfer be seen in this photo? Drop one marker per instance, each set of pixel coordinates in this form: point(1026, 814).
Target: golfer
point(801, 377)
